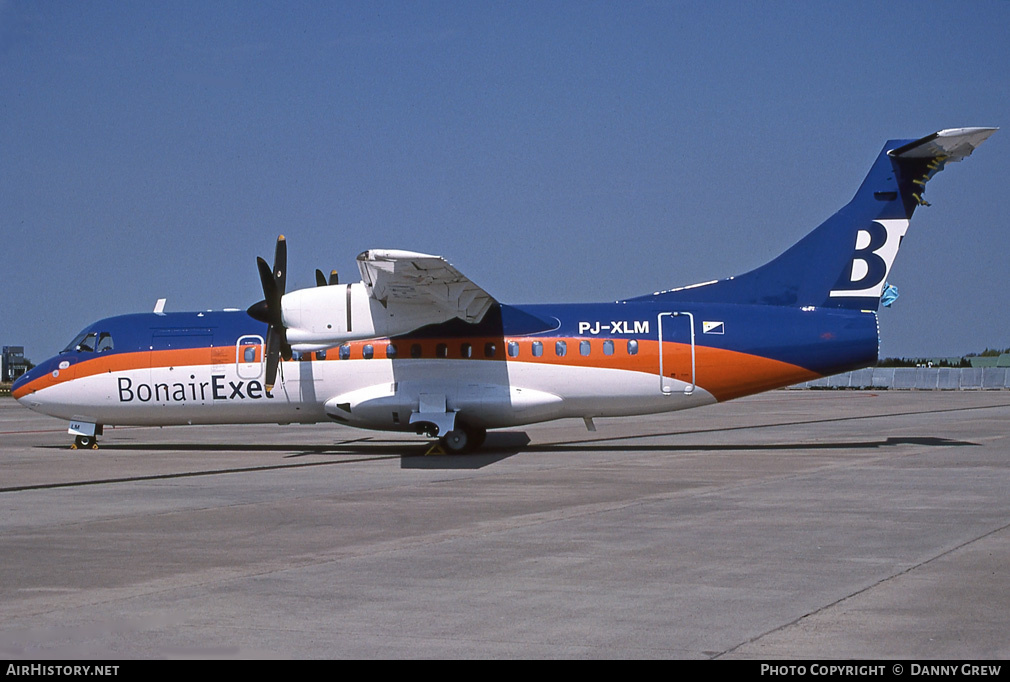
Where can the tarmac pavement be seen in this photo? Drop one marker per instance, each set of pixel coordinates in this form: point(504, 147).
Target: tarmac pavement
point(789, 525)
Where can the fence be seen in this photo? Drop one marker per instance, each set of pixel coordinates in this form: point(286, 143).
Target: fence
point(918, 379)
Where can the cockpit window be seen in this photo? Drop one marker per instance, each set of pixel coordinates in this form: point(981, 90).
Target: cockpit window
point(82, 343)
point(104, 342)
point(73, 344)
point(90, 342)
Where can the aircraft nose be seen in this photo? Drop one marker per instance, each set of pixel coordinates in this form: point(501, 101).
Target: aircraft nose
point(22, 381)
point(26, 384)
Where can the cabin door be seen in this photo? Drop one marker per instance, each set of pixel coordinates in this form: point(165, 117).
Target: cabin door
point(676, 353)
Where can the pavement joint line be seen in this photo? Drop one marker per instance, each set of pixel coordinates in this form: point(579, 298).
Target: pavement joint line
point(867, 588)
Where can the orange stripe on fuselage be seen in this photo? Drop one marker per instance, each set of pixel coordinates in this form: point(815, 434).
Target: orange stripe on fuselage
point(724, 373)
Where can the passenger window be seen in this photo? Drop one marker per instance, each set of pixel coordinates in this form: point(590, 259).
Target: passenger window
point(513, 349)
point(415, 350)
point(538, 349)
point(441, 351)
point(489, 350)
point(249, 354)
point(561, 349)
point(632, 347)
point(390, 350)
point(466, 350)
point(367, 351)
point(608, 347)
point(104, 342)
point(320, 355)
point(344, 352)
point(583, 348)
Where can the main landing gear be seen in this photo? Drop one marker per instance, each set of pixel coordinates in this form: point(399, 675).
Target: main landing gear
point(463, 439)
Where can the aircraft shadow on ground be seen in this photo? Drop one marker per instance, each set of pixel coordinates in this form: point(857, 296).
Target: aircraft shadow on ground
point(498, 446)
point(425, 455)
point(413, 455)
point(597, 446)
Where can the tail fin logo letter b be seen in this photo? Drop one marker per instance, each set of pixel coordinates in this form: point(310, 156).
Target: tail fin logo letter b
point(874, 252)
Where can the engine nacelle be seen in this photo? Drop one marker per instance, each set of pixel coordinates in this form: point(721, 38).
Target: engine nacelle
point(323, 317)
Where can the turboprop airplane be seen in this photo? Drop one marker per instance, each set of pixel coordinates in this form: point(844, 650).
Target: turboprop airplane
point(417, 346)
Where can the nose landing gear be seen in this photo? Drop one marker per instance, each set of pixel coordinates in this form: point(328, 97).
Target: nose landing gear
point(84, 443)
point(85, 435)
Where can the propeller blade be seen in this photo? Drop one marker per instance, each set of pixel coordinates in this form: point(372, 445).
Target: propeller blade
point(285, 346)
point(321, 280)
point(269, 310)
point(273, 358)
point(266, 279)
point(281, 264)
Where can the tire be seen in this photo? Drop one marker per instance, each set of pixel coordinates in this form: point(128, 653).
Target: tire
point(476, 437)
point(456, 441)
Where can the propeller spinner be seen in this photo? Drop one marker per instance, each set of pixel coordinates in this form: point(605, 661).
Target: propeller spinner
point(269, 310)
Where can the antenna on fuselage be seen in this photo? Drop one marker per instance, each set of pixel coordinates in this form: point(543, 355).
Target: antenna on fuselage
point(159, 307)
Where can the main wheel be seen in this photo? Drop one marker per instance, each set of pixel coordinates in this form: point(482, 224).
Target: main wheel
point(464, 438)
point(85, 443)
point(476, 437)
point(456, 441)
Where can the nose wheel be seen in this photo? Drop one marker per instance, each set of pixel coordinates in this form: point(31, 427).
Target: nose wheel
point(85, 443)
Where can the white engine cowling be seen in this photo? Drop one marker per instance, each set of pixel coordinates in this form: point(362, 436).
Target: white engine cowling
point(323, 317)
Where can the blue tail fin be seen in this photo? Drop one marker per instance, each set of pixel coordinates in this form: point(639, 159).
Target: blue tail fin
point(844, 262)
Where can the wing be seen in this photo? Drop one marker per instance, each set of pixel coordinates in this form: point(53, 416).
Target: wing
point(405, 277)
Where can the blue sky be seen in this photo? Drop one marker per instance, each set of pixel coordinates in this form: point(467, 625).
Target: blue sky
point(553, 151)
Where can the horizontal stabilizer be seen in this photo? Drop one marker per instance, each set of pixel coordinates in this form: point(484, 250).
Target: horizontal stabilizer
point(952, 144)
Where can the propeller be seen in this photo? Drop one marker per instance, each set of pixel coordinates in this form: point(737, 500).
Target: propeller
point(321, 278)
point(269, 310)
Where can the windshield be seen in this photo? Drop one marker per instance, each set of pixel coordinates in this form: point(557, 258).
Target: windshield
point(76, 344)
point(89, 342)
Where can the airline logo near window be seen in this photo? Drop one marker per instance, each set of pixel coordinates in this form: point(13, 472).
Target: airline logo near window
point(875, 249)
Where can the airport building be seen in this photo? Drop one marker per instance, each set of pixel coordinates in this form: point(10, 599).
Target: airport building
point(14, 363)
